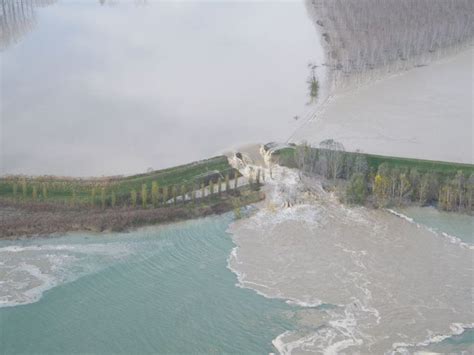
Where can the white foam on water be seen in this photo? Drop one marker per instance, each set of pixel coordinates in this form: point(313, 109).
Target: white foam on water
point(299, 303)
point(241, 276)
point(257, 287)
point(353, 325)
point(27, 279)
point(285, 347)
point(91, 248)
point(336, 336)
point(405, 348)
point(332, 338)
point(451, 238)
point(27, 271)
point(269, 218)
point(286, 201)
point(279, 344)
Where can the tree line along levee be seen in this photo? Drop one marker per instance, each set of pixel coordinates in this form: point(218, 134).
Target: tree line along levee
point(381, 181)
point(96, 194)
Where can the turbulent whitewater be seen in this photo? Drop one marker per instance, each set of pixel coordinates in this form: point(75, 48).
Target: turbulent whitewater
point(371, 281)
point(27, 271)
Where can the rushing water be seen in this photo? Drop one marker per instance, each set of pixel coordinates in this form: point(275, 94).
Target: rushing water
point(163, 289)
point(157, 289)
point(397, 285)
point(119, 88)
point(459, 229)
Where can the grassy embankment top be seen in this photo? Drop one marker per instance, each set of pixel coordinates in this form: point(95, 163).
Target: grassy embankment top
point(383, 181)
point(83, 190)
point(46, 205)
point(286, 156)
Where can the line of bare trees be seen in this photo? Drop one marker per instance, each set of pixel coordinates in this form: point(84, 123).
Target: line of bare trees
point(17, 18)
point(328, 160)
point(366, 39)
point(386, 184)
point(117, 2)
point(451, 192)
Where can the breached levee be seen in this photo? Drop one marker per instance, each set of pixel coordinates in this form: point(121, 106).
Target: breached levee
point(367, 281)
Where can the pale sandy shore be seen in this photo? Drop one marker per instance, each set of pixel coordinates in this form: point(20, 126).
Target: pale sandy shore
point(391, 283)
point(423, 113)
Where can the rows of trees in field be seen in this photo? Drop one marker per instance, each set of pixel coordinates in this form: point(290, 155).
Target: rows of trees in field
point(117, 2)
point(17, 18)
point(103, 210)
point(366, 39)
point(390, 181)
point(207, 179)
point(111, 195)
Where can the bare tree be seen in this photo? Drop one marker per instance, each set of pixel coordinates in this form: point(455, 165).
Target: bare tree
point(367, 39)
point(360, 164)
point(17, 18)
point(301, 157)
point(334, 153)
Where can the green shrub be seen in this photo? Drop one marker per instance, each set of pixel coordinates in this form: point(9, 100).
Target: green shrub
point(144, 196)
point(133, 198)
point(356, 191)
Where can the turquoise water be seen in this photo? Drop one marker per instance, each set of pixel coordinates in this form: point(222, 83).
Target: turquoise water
point(454, 224)
point(154, 290)
point(460, 226)
point(172, 292)
point(457, 344)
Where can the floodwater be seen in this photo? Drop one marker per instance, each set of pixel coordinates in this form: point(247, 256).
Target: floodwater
point(102, 87)
point(170, 289)
point(423, 113)
point(153, 290)
point(369, 281)
point(91, 89)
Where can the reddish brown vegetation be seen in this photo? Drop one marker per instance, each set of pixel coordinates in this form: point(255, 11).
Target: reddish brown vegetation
point(35, 219)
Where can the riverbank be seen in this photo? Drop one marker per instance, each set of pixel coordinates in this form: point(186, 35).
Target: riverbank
point(36, 206)
point(365, 277)
point(382, 181)
point(25, 220)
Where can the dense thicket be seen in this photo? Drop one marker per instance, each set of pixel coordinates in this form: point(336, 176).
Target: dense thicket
point(390, 182)
point(366, 38)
